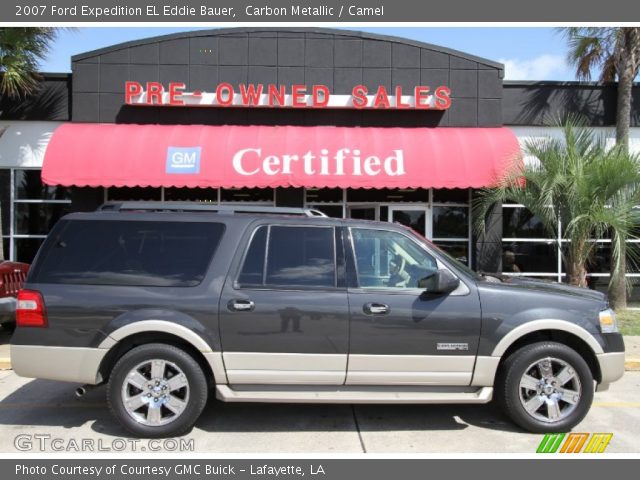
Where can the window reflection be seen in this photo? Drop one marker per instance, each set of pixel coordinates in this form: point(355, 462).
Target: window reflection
point(450, 222)
point(525, 257)
point(518, 222)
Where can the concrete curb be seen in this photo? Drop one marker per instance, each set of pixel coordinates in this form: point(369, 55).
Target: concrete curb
point(632, 364)
point(5, 363)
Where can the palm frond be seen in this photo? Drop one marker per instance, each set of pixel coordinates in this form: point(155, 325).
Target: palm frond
point(21, 50)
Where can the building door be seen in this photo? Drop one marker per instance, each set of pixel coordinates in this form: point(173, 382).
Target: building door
point(415, 216)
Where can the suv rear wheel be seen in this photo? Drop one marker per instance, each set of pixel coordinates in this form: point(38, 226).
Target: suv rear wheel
point(545, 387)
point(157, 390)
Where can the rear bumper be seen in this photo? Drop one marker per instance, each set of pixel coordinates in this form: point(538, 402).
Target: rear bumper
point(611, 366)
point(68, 364)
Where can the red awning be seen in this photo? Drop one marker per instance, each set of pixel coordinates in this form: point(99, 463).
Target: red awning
point(263, 156)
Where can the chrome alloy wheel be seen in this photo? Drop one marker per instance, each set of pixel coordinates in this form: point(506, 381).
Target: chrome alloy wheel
point(550, 390)
point(155, 392)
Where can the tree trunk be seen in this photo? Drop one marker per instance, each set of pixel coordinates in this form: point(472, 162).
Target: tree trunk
point(618, 286)
point(577, 272)
point(626, 73)
point(618, 283)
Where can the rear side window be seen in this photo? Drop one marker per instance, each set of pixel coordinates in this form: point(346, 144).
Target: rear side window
point(159, 254)
point(284, 256)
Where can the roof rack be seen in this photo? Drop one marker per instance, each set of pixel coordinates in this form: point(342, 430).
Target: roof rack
point(204, 207)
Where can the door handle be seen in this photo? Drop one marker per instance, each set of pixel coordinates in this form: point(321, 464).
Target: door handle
point(241, 305)
point(376, 308)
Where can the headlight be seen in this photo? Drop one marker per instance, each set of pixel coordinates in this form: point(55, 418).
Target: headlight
point(608, 322)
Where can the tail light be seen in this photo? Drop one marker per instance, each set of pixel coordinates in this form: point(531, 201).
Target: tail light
point(30, 309)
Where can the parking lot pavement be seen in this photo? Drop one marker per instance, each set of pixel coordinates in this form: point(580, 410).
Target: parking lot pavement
point(50, 408)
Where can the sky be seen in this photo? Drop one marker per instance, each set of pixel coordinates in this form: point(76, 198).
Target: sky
point(529, 53)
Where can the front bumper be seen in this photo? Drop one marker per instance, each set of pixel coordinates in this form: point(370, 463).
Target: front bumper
point(611, 367)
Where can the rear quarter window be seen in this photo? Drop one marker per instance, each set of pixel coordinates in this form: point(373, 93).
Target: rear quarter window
point(129, 253)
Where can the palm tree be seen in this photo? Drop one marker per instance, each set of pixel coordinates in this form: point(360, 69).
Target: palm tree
point(615, 51)
point(579, 189)
point(21, 50)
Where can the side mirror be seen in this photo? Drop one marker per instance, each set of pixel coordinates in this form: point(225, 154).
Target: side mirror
point(441, 281)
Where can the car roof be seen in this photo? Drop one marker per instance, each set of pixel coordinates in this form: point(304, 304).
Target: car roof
point(225, 217)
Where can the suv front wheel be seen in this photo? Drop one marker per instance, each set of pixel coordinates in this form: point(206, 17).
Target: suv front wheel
point(157, 390)
point(545, 387)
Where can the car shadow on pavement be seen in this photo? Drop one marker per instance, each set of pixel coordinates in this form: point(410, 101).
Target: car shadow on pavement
point(50, 403)
point(54, 404)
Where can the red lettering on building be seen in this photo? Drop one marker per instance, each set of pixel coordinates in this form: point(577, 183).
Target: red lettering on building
point(131, 89)
point(381, 99)
point(443, 98)
point(320, 97)
point(251, 94)
point(175, 94)
point(296, 96)
point(298, 92)
point(277, 95)
point(422, 96)
point(399, 102)
point(224, 94)
point(154, 93)
point(359, 96)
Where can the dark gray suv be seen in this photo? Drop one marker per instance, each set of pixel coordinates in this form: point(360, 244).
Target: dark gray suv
point(167, 302)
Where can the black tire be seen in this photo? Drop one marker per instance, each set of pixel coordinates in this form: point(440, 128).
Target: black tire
point(197, 386)
point(508, 390)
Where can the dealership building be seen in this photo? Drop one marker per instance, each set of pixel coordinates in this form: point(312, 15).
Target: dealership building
point(353, 124)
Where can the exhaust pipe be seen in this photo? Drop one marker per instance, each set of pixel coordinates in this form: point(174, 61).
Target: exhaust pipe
point(81, 391)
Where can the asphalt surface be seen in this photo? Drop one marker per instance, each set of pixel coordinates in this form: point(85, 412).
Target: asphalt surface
point(50, 409)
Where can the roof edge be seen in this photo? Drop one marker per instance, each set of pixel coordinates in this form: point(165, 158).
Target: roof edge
point(326, 31)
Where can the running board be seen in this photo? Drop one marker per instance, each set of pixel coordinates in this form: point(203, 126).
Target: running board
point(351, 394)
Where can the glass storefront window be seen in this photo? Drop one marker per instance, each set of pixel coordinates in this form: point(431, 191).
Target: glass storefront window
point(173, 194)
point(388, 195)
point(362, 212)
point(450, 222)
point(26, 248)
point(412, 218)
point(333, 211)
point(38, 218)
point(29, 210)
point(6, 242)
point(458, 250)
point(323, 195)
point(29, 186)
point(126, 194)
point(525, 257)
point(246, 195)
point(451, 195)
point(5, 202)
point(518, 222)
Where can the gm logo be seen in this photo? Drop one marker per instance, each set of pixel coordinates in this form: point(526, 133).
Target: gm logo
point(574, 443)
point(183, 160)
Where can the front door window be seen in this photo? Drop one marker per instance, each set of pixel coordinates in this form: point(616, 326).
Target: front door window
point(386, 259)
